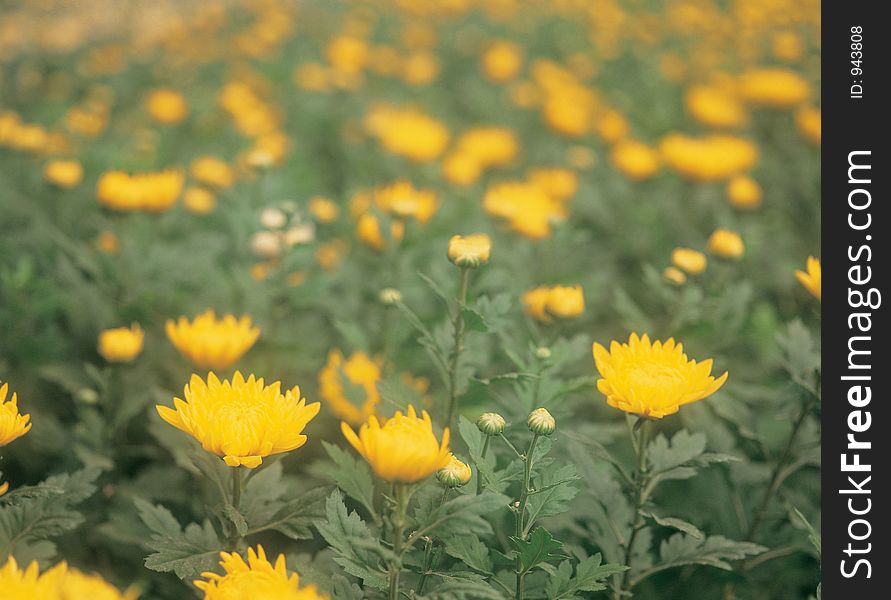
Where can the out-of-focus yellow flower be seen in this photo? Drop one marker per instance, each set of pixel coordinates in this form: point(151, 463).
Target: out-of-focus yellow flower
point(502, 61)
point(479, 149)
point(63, 173)
point(715, 107)
point(612, 126)
point(635, 160)
point(744, 193)
point(368, 230)
point(708, 158)
point(691, 261)
point(401, 199)
point(347, 54)
point(151, 192)
point(260, 271)
point(556, 182)
point(773, 87)
point(212, 343)
point(420, 68)
point(787, 46)
point(108, 243)
point(256, 578)
point(58, 583)
point(199, 200)
point(652, 379)
point(470, 251)
point(121, 344)
point(674, 275)
point(544, 302)
point(167, 106)
point(243, 421)
point(810, 124)
point(323, 209)
point(454, 474)
point(329, 254)
point(12, 424)
point(461, 169)
point(407, 132)
point(526, 207)
point(404, 449)
point(349, 385)
point(312, 77)
point(811, 279)
point(726, 244)
point(212, 171)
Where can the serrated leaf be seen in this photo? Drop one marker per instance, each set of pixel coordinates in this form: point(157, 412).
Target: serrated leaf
point(234, 516)
point(462, 586)
point(590, 575)
point(187, 552)
point(353, 476)
point(554, 491)
point(295, 517)
point(474, 321)
point(471, 551)
point(714, 551)
point(678, 524)
point(460, 515)
point(540, 547)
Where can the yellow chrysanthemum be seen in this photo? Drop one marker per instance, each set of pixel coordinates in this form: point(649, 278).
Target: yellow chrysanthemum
point(812, 279)
point(24, 584)
point(151, 192)
point(407, 132)
point(256, 578)
point(323, 209)
point(403, 449)
point(744, 193)
point(12, 424)
point(65, 174)
point(809, 122)
point(212, 343)
point(470, 251)
point(652, 379)
point(715, 107)
point(58, 583)
point(635, 160)
point(454, 474)
point(708, 158)
point(544, 302)
point(167, 106)
point(526, 208)
point(199, 200)
point(212, 171)
point(726, 244)
point(121, 344)
point(556, 182)
point(362, 373)
point(691, 261)
point(674, 275)
point(502, 61)
point(776, 88)
point(401, 199)
point(242, 421)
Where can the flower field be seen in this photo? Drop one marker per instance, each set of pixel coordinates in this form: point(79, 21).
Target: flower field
point(444, 300)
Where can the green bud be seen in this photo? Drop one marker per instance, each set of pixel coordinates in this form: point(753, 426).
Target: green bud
point(542, 422)
point(491, 423)
point(454, 474)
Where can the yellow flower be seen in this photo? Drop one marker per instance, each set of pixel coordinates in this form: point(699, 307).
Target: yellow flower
point(526, 207)
point(329, 254)
point(407, 132)
point(454, 474)
point(167, 106)
point(212, 171)
point(347, 54)
point(502, 61)
point(401, 199)
point(809, 123)
point(58, 583)
point(312, 77)
point(708, 158)
point(652, 380)
point(489, 146)
point(726, 244)
point(420, 68)
point(715, 107)
point(404, 449)
point(556, 182)
point(199, 200)
point(362, 373)
point(691, 261)
point(243, 421)
point(323, 209)
point(63, 173)
point(368, 230)
point(635, 159)
point(535, 301)
point(257, 578)
point(612, 126)
point(212, 343)
point(470, 251)
point(461, 168)
point(812, 279)
point(674, 275)
point(12, 424)
point(776, 88)
point(744, 193)
point(152, 192)
point(121, 344)
point(544, 302)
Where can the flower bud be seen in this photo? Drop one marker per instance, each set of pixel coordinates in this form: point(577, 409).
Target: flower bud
point(266, 244)
point(491, 423)
point(454, 474)
point(273, 218)
point(541, 422)
point(543, 353)
point(471, 251)
point(390, 296)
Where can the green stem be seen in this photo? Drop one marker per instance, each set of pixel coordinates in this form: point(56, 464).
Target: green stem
point(402, 495)
point(775, 480)
point(479, 474)
point(429, 548)
point(640, 483)
point(519, 517)
point(236, 487)
point(458, 327)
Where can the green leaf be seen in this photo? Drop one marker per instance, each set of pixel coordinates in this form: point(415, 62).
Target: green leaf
point(462, 586)
point(187, 552)
point(812, 534)
point(554, 491)
point(460, 515)
point(590, 575)
point(678, 524)
point(295, 517)
point(538, 549)
point(233, 515)
point(474, 321)
point(357, 550)
point(471, 551)
point(801, 358)
point(31, 514)
point(353, 476)
point(714, 551)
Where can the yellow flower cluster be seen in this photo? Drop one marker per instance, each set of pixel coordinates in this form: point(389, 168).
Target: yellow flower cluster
point(407, 132)
point(399, 201)
point(121, 344)
point(652, 379)
point(715, 106)
point(150, 192)
point(242, 421)
point(544, 302)
point(349, 385)
point(476, 151)
point(404, 449)
point(212, 343)
point(212, 171)
point(775, 88)
point(61, 582)
point(526, 207)
point(29, 137)
point(710, 157)
point(254, 578)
